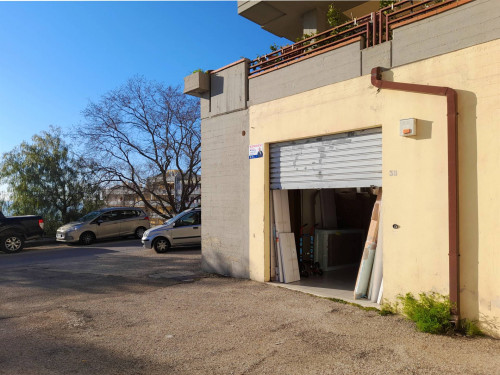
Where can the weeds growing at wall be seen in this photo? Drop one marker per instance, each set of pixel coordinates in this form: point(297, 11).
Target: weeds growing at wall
point(470, 328)
point(387, 308)
point(431, 312)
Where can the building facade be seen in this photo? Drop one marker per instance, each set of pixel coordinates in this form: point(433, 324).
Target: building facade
point(326, 100)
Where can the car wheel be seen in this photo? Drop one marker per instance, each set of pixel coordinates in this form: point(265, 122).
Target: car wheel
point(87, 238)
point(161, 245)
point(12, 243)
point(139, 232)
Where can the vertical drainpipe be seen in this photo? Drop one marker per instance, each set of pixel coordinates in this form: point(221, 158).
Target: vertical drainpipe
point(451, 105)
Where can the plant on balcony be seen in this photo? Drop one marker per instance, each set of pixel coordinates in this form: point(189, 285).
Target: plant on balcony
point(274, 47)
point(311, 43)
point(335, 17)
point(384, 4)
point(304, 36)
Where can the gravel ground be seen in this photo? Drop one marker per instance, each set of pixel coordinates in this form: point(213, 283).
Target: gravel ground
point(60, 320)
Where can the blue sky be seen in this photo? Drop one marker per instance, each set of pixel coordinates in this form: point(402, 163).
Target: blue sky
point(56, 56)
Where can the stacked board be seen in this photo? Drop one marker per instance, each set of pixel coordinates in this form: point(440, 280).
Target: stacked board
point(288, 254)
point(284, 240)
point(374, 291)
point(366, 265)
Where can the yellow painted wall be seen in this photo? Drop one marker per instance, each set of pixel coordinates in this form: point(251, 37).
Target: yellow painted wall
point(416, 255)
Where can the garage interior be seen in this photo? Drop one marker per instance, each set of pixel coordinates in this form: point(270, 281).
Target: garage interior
point(330, 227)
point(327, 227)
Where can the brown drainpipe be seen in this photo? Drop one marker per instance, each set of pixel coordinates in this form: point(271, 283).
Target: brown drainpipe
point(451, 106)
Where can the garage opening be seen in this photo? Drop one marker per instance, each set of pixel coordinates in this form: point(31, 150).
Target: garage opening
point(323, 206)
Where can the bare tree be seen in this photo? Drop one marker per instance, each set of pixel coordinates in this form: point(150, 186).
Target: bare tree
point(142, 134)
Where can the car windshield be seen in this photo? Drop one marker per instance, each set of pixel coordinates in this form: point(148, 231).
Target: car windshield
point(90, 216)
point(174, 219)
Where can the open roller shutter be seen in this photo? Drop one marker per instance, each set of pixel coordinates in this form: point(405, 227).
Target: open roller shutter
point(343, 160)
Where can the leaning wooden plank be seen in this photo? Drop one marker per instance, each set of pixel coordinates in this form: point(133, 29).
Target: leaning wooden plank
point(295, 261)
point(370, 284)
point(285, 259)
point(376, 260)
point(277, 209)
point(279, 226)
point(378, 263)
point(281, 211)
point(273, 262)
point(366, 265)
point(289, 257)
point(280, 260)
point(284, 266)
point(381, 292)
point(285, 206)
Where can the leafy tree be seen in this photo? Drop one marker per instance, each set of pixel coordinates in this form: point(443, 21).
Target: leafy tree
point(45, 178)
point(145, 137)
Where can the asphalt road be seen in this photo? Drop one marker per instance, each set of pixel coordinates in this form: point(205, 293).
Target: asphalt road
point(115, 308)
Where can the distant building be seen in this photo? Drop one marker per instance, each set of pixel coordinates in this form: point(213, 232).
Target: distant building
point(155, 192)
point(120, 196)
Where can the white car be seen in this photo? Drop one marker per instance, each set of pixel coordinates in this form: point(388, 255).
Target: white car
point(181, 230)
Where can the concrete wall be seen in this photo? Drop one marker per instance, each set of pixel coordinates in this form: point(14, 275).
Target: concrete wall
point(415, 198)
point(225, 172)
point(379, 55)
point(205, 105)
point(467, 25)
point(224, 194)
point(330, 67)
point(229, 89)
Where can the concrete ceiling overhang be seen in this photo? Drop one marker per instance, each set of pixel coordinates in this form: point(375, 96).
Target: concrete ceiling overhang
point(284, 18)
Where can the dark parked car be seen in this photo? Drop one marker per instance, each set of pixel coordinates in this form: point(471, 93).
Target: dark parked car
point(15, 230)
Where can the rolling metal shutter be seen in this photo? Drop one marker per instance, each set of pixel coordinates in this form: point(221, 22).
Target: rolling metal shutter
point(344, 160)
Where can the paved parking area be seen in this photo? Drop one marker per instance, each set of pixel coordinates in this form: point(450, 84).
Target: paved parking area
point(115, 308)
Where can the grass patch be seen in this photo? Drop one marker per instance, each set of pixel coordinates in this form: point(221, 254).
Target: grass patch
point(344, 302)
point(365, 308)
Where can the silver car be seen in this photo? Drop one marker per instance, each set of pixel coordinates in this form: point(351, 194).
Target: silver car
point(105, 223)
point(181, 230)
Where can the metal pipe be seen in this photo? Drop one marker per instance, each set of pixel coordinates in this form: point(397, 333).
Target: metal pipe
point(452, 124)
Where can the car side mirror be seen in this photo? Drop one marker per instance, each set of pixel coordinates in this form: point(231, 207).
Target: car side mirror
point(100, 221)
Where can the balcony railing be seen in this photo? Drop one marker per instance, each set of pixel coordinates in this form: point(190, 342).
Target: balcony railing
point(372, 29)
